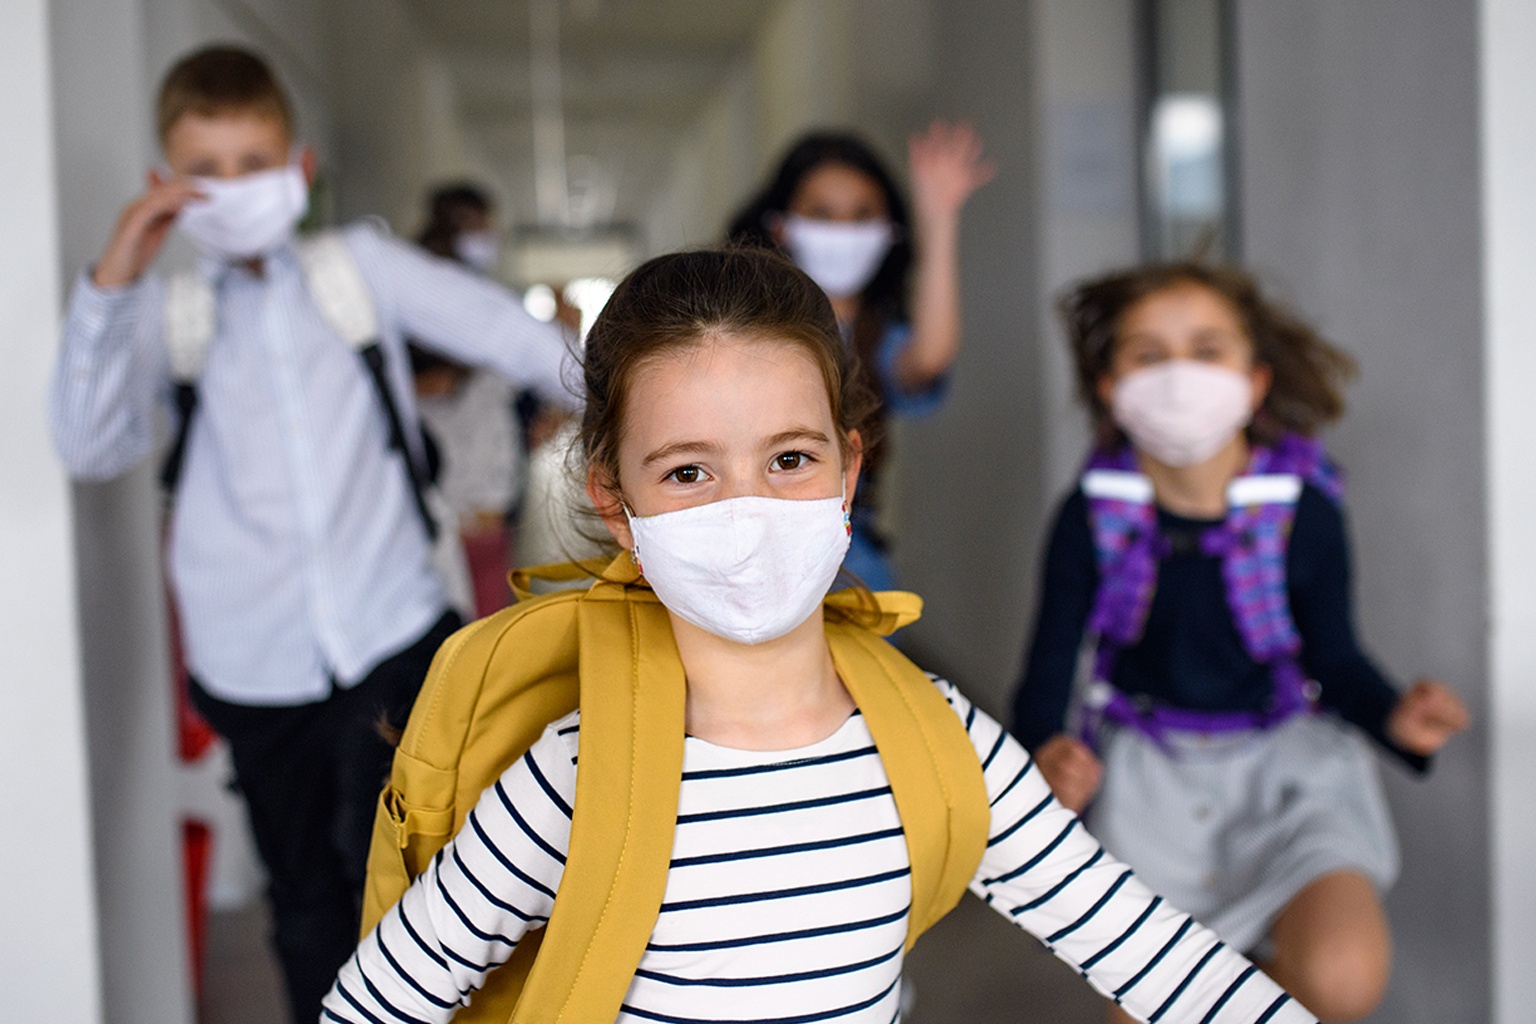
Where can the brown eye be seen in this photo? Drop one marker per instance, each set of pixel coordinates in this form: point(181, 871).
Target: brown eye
point(789, 460)
point(685, 474)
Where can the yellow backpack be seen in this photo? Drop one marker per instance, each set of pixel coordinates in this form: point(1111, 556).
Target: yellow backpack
point(497, 683)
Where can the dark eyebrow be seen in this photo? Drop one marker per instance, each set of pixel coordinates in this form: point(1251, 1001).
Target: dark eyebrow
point(798, 434)
point(676, 448)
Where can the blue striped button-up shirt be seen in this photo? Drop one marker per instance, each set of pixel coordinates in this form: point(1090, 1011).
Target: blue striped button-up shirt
point(296, 553)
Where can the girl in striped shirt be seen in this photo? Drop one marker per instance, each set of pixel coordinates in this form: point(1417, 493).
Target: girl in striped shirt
point(722, 438)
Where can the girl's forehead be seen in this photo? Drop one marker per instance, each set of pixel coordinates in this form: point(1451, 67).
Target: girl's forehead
point(724, 377)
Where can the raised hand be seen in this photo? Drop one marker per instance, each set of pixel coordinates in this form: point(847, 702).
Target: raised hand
point(946, 167)
point(141, 230)
point(1071, 769)
point(1426, 716)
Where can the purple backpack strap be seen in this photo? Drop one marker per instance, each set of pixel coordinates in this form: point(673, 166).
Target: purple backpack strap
point(1123, 519)
point(1252, 544)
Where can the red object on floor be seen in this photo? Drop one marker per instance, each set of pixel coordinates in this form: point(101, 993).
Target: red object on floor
point(486, 553)
point(197, 853)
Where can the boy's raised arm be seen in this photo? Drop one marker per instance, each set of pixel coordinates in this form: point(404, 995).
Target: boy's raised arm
point(468, 318)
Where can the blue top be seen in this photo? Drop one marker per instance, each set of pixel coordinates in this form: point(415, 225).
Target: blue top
point(1190, 654)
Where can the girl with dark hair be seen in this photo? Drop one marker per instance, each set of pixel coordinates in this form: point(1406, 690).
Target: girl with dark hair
point(721, 434)
point(892, 276)
point(1205, 556)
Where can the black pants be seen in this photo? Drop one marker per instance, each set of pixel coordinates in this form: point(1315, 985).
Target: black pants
point(311, 775)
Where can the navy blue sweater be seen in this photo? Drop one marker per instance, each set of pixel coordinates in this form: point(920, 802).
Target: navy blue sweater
point(1190, 654)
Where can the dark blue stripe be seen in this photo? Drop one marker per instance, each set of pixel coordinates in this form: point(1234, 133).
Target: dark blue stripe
point(776, 894)
point(1034, 861)
point(1242, 979)
point(1023, 774)
point(774, 851)
point(794, 805)
point(1174, 996)
point(491, 897)
point(549, 791)
point(986, 762)
point(1011, 829)
point(794, 936)
point(349, 997)
point(807, 1018)
point(411, 931)
point(378, 997)
point(402, 972)
point(1056, 889)
point(528, 831)
point(970, 718)
point(505, 861)
point(774, 979)
point(1274, 1008)
point(1135, 926)
point(463, 917)
point(1075, 925)
point(1136, 978)
point(779, 766)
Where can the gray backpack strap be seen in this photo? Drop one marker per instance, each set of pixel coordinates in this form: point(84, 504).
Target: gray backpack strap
point(189, 325)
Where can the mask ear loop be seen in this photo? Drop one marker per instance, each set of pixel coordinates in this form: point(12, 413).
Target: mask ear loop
point(634, 549)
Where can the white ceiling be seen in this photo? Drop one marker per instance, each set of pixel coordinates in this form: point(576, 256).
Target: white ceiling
point(634, 76)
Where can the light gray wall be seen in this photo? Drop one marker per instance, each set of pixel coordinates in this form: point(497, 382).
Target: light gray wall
point(1049, 86)
point(966, 479)
point(49, 965)
point(1359, 125)
point(105, 147)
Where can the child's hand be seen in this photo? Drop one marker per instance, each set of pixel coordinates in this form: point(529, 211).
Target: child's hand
point(1426, 716)
point(946, 167)
point(141, 230)
point(1072, 770)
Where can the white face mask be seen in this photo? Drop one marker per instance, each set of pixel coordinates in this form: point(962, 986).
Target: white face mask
point(479, 249)
point(248, 216)
point(1181, 412)
point(840, 256)
point(748, 569)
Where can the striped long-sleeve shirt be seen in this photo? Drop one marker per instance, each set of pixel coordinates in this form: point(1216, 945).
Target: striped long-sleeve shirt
point(788, 895)
point(296, 552)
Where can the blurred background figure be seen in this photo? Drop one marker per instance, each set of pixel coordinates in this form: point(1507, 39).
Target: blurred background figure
point(893, 276)
point(470, 414)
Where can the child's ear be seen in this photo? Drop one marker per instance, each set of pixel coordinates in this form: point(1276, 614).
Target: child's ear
point(605, 499)
point(1262, 379)
point(773, 223)
point(852, 464)
point(1105, 389)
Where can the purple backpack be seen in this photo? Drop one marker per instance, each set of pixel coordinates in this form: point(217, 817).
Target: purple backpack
point(1251, 543)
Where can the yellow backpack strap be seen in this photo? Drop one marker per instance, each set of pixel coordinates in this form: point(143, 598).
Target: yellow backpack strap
point(522, 580)
point(941, 797)
point(624, 814)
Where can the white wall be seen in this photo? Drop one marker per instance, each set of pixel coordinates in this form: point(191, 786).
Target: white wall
point(1507, 34)
point(49, 967)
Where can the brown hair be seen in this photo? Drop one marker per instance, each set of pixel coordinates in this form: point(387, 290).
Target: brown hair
point(679, 300)
point(219, 80)
point(1309, 372)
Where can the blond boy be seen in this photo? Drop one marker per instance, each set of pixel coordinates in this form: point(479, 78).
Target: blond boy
point(298, 560)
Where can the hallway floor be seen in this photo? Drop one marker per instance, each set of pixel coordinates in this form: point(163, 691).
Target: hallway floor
point(974, 967)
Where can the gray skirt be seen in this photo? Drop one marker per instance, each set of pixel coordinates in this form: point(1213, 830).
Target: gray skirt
point(1231, 827)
